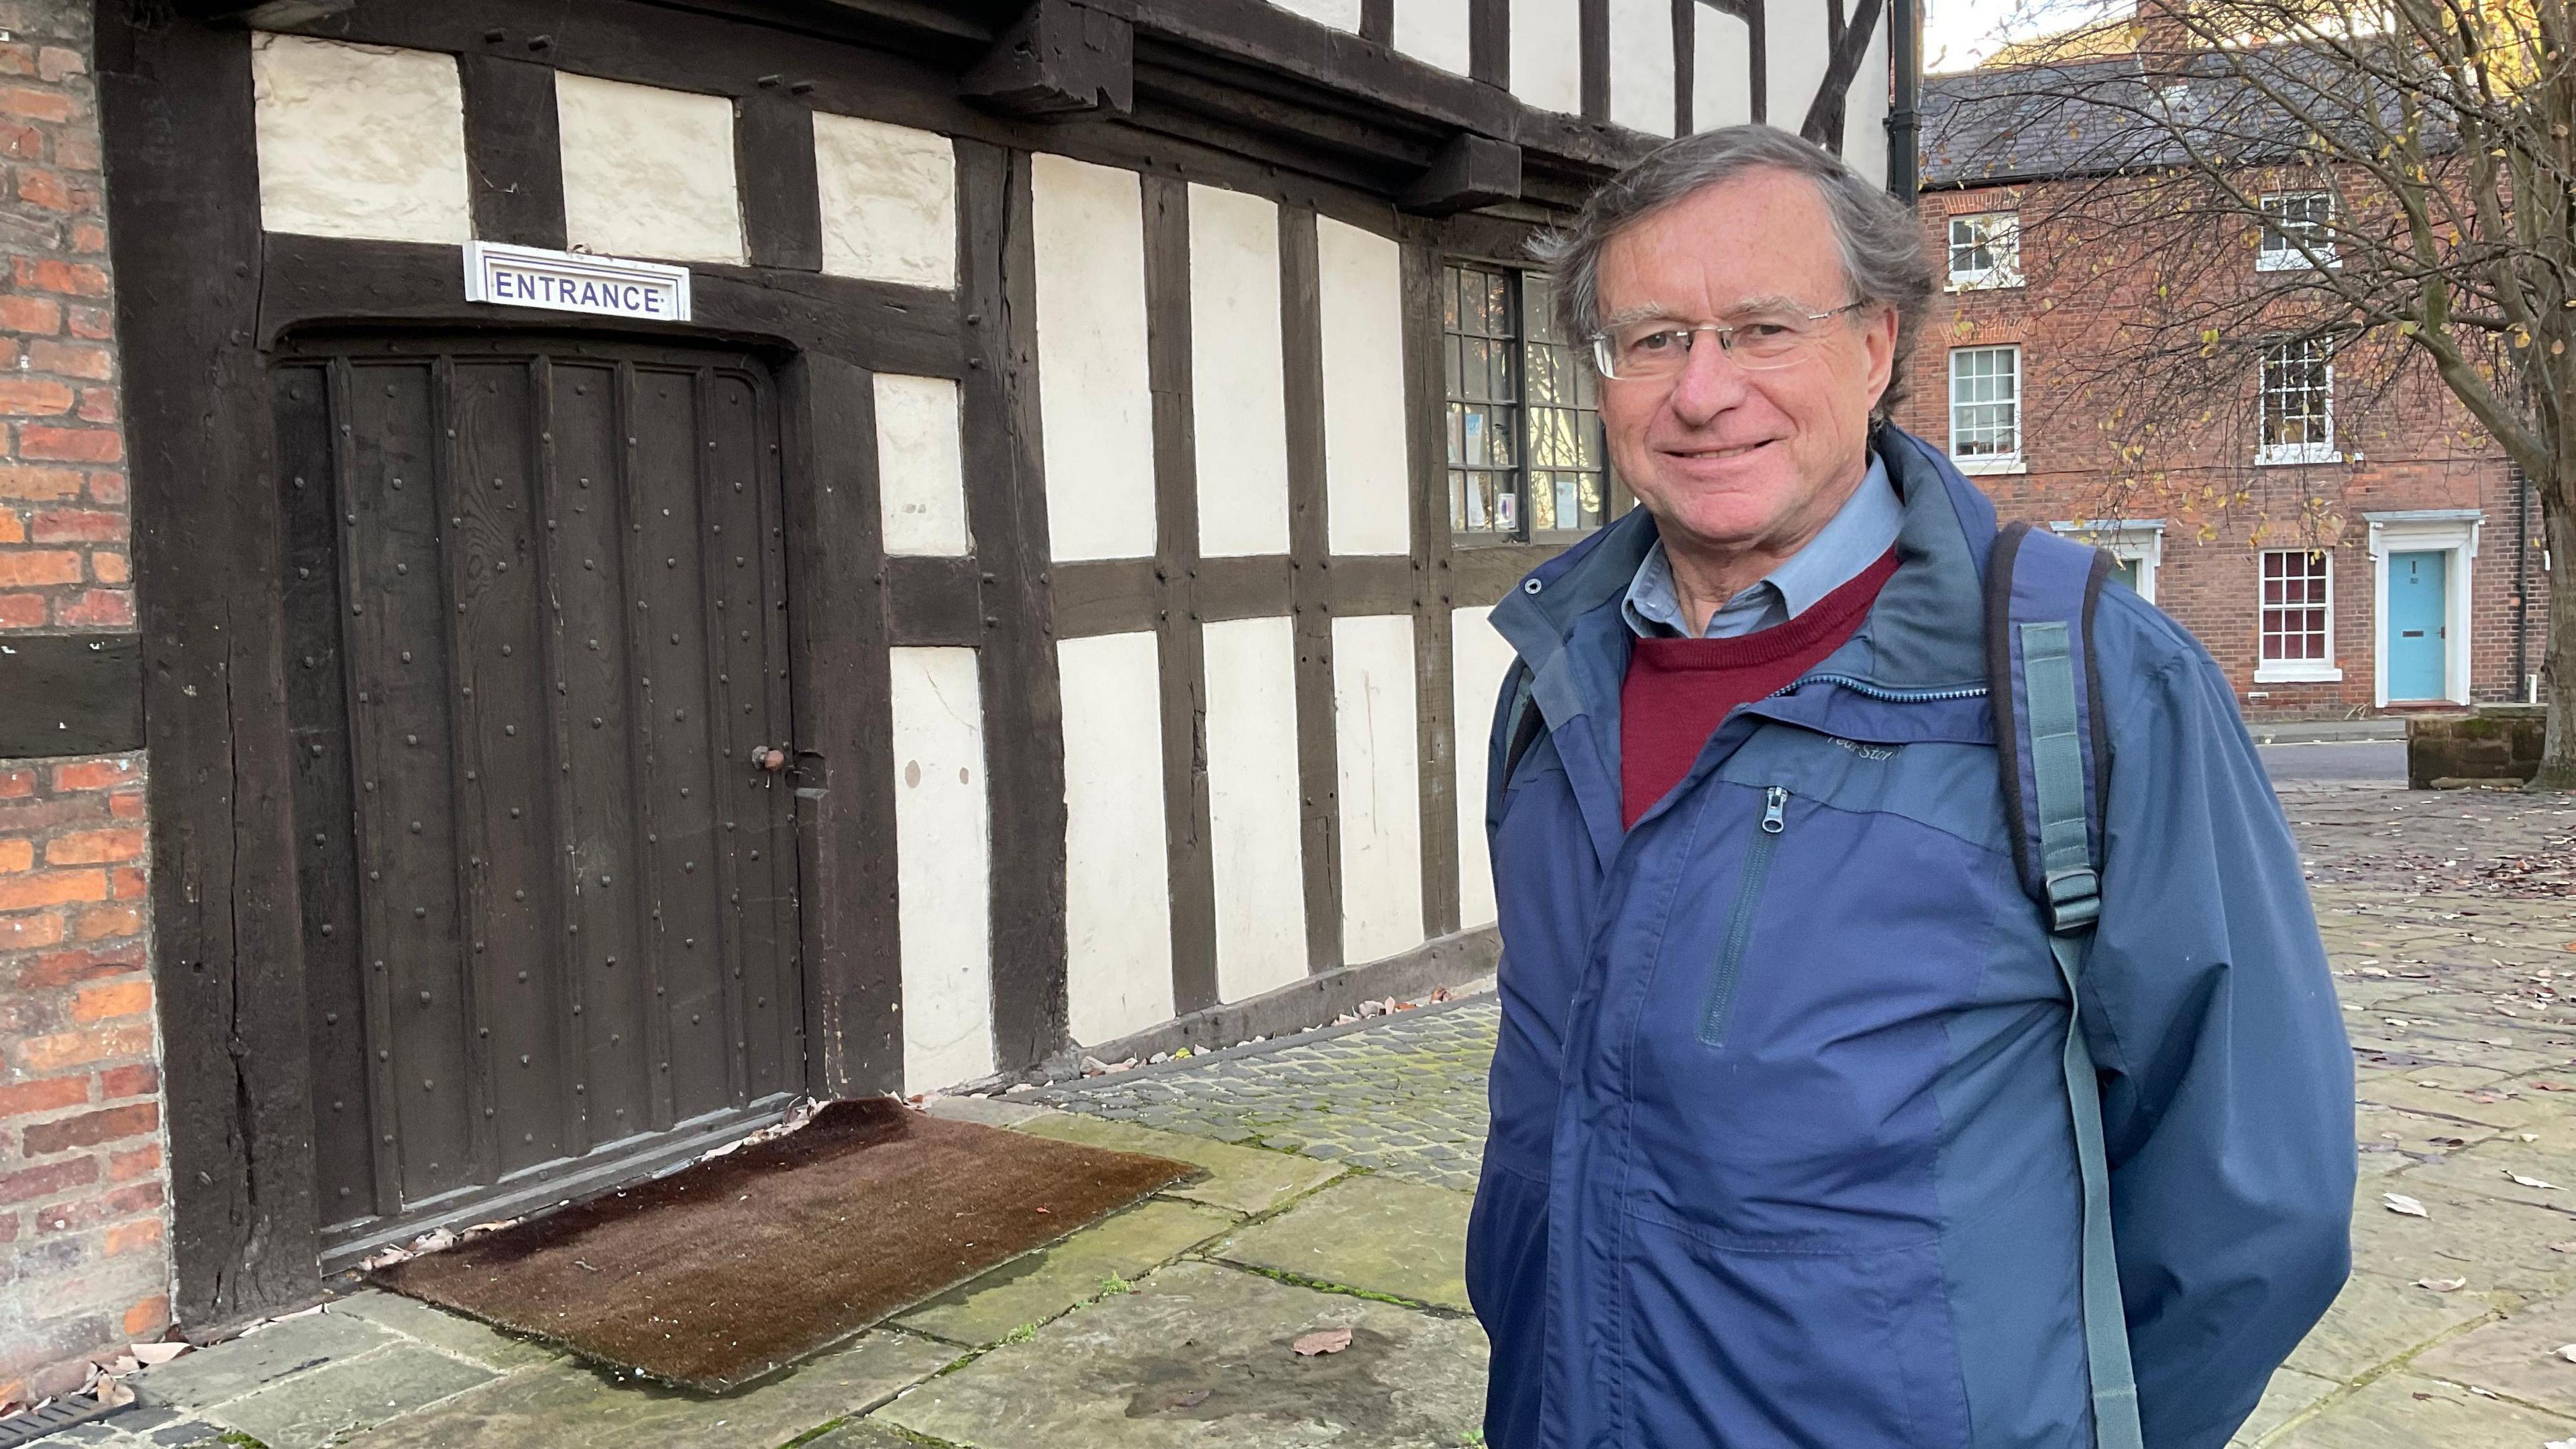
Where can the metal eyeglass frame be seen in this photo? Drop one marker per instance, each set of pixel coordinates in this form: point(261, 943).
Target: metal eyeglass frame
point(1725, 332)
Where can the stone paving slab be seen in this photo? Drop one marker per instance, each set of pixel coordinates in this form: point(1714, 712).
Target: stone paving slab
point(860, 1434)
point(2403, 1411)
point(448, 1332)
point(2376, 1321)
point(2290, 1394)
point(139, 1428)
point(2499, 1247)
point(1200, 1355)
point(1246, 1180)
point(283, 1349)
point(2517, 1357)
point(332, 1403)
point(1375, 1233)
point(570, 1406)
point(1039, 1286)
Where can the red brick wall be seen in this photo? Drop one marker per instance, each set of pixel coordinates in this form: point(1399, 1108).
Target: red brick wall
point(2416, 449)
point(83, 1185)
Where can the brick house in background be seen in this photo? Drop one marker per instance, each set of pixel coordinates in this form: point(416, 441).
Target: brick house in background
point(2379, 552)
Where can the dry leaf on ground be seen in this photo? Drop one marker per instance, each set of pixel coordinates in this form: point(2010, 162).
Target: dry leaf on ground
point(2442, 1285)
point(2398, 1202)
point(1323, 1340)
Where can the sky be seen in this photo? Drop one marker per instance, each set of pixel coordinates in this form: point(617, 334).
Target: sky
point(1959, 33)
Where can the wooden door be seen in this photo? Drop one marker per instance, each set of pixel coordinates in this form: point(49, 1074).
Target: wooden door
point(536, 609)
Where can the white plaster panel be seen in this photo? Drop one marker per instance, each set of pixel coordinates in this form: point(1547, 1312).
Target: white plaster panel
point(1339, 14)
point(1238, 383)
point(1367, 472)
point(1795, 50)
point(1547, 54)
point(943, 869)
point(648, 172)
point(1478, 658)
point(1094, 406)
point(1434, 31)
point(1721, 69)
point(1118, 923)
point(921, 471)
point(359, 140)
point(1253, 814)
point(1865, 113)
point(889, 198)
point(1381, 792)
point(1641, 65)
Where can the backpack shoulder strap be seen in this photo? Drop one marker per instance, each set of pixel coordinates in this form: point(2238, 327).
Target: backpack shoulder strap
point(2041, 592)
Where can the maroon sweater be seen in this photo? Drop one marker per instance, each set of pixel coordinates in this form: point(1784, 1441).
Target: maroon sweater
point(1679, 690)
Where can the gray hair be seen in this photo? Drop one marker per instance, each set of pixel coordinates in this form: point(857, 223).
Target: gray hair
point(1880, 240)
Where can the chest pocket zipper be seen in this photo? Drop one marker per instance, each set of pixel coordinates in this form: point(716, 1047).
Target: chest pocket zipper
point(1720, 1009)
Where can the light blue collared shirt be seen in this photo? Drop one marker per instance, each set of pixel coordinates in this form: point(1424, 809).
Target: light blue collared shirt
point(1856, 537)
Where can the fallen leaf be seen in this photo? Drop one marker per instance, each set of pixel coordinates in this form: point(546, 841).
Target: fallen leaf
point(2552, 1087)
point(1323, 1340)
point(2566, 1247)
point(156, 1353)
point(2398, 1202)
point(1191, 1400)
point(2530, 1181)
point(2442, 1285)
point(2567, 1351)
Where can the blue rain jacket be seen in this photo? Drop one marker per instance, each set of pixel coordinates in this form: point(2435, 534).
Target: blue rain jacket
point(1780, 1152)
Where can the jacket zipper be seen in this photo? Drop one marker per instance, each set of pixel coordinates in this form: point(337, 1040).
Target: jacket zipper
point(1874, 691)
point(1739, 929)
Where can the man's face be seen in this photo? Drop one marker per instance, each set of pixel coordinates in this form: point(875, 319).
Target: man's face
point(1730, 460)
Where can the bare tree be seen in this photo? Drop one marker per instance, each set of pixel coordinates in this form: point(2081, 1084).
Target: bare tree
point(2404, 170)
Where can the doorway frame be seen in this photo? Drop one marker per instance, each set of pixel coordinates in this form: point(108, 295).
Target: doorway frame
point(2452, 531)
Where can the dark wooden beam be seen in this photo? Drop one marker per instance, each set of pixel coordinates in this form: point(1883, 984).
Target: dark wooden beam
point(1470, 171)
point(843, 700)
point(1685, 65)
point(513, 150)
point(182, 165)
point(1593, 36)
point(1190, 861)
point(260, 14)
point(782, 206)
point(1824, 122)
point(1489, 42)
point(1006, 515)
point(70, 694)
point(1434, 708)
point(1377, 21)
point(934, 600)
point(1311, 612)
point(1062, 59)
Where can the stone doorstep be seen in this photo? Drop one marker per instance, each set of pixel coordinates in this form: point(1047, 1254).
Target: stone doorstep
point(319, 1409)
point(1247, 1181)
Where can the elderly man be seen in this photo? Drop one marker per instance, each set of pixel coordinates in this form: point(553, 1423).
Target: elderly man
point(1782, 1151)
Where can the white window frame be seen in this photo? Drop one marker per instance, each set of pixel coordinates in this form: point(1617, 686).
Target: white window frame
point(2140, 541)
point(2295, 671)
point(1985, 463)
point(2277, 455)
point(2003, 238)
point(2288, 258)
point(2427, 530)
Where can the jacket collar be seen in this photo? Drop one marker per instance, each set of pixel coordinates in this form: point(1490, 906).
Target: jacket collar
point(1926, 632)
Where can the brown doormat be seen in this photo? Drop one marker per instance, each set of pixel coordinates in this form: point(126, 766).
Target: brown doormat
point(724, 1271)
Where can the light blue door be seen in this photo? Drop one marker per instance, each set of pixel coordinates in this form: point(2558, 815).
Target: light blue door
point(2418, 597)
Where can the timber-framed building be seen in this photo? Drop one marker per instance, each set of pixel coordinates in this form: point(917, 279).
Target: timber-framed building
point(1029, 603)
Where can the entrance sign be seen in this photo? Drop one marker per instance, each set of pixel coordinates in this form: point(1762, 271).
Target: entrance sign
point(575, 282)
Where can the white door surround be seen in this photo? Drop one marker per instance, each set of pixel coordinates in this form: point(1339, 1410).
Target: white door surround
point(2425, 530)
point(2140, 541)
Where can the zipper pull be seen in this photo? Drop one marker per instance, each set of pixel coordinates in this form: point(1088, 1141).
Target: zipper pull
point(1773, 821)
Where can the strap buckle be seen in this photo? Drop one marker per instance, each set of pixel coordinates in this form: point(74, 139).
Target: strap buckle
point(2074, 898)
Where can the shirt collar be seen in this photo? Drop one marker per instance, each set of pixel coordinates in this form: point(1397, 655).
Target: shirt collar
point(1862, 530)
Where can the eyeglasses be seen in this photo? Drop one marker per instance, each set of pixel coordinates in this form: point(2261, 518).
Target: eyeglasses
point(1659, 347)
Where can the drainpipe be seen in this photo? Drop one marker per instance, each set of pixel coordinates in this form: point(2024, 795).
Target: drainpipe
point(1905, 117)
point(2521, 577)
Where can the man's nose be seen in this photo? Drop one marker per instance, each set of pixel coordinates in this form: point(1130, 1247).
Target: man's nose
point(1709, 384)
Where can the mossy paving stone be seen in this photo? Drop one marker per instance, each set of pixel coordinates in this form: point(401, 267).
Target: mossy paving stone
point(1376, 1234)
point(2517, 1357)
point(2285, 1398)
point(1201, 1354)
point(860, 1434)
point(1243, 1180)
point(569, 1406)
point(2403, 1411)
point(1041, 1285)
point(2406, 1092)
point(2376, 1320)
point(321, 1408)
point(2489, 1169)
point(237, 1366)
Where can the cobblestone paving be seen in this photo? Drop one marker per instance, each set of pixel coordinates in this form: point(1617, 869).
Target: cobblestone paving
point(1405, 1095)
